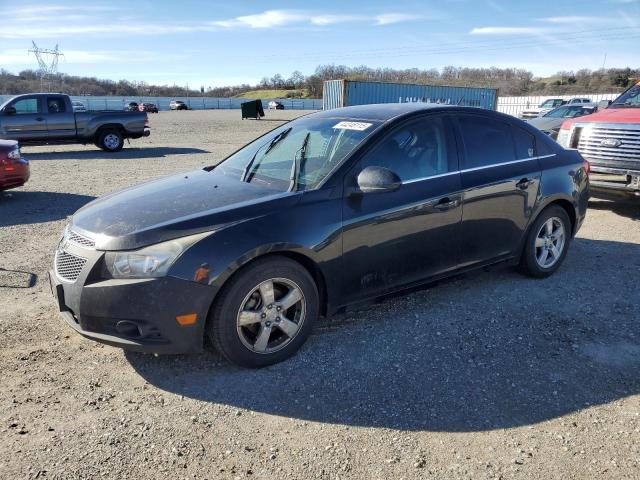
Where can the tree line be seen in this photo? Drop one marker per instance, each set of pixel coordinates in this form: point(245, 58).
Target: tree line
point(510, 81)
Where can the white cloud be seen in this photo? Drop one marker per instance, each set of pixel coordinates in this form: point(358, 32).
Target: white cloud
point(268, 19)
point(389, 18)
point(282, 18)
point(333, 19)
point(577, 19)
point(507, 31)
point(24, 58)
point(63, 22)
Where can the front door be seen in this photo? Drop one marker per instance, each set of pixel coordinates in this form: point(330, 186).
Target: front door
point(500, 177)
point(27, 123)
point(396, 238)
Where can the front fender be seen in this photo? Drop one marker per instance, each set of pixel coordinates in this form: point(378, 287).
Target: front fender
point(296, 232)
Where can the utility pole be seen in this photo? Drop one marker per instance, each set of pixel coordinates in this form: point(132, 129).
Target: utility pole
point(46, 69)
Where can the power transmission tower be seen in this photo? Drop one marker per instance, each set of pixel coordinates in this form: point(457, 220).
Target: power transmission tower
point(47, 69)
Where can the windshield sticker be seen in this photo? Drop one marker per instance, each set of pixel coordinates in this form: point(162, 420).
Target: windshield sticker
point(359, 126)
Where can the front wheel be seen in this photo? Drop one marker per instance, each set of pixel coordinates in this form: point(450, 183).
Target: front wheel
point(265, 313)
point(547, 243)
point(110, 140)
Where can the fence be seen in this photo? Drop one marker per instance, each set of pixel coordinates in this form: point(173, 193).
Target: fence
point(195, 103)
point(515, 105)
point(511, 105)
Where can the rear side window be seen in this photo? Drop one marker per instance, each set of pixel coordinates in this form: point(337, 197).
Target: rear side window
point(55, 105)
point(486, 141)
point(525, 143)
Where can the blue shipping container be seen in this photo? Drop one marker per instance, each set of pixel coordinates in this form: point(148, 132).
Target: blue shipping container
point(347, 93)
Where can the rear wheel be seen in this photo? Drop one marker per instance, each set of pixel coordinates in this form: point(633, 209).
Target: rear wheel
point(547, 243)
point(265, 313)
point(110, 140)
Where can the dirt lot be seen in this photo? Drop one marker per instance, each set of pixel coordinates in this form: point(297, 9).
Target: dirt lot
point(490, 375)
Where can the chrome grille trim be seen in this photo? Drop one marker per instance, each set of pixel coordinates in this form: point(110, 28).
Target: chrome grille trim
point(68, 266)
point(81, 240)
point(593, 134)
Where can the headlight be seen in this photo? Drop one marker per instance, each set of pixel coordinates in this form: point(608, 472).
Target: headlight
point(14, 154)
point(148, 262)
point(563, 138)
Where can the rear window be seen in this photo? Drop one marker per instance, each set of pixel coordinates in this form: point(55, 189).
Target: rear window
point(525, 143)
point(486, 141)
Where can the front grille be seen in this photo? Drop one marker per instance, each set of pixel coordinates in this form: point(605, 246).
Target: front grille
point(81, 240)
point(69, 266)
point(626, 154)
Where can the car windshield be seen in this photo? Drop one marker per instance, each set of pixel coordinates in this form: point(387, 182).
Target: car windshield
point(629, 99)
point(299, 154)
point(550, 103)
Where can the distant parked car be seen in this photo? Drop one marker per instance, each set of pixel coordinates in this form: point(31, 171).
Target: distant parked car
point(551, 122)
point(148, 107)
point(78, 106)
point(578, 100)
point(14, 168)
point(543, 108)
point(178, 105)
point(273, 105)
point(131, 107)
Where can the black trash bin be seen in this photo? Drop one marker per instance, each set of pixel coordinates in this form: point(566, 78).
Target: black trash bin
point(252, 109)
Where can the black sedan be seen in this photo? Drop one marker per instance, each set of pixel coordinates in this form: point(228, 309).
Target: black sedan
point(325, 211)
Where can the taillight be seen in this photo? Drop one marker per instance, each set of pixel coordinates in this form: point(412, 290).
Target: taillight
point(587, 166)
point(146, 121)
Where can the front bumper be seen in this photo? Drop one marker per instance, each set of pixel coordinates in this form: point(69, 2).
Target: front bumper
point(134, 314)
point(607, 182)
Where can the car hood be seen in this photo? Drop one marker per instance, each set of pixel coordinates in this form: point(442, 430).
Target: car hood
point(173, 207)
point(607, 115)
point(546, 123)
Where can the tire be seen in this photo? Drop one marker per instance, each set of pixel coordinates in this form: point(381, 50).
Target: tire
point(240, 337)
point(535, 262)
point(110, 140)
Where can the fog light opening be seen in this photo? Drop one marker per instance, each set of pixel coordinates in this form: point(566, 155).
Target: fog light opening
point(129, 329)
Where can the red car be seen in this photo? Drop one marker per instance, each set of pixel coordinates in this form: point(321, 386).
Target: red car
point(14, 169)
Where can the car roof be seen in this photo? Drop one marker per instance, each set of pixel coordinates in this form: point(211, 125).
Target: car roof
point(382, 111)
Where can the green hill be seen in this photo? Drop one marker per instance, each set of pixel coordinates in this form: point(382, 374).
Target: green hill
point(277, 93)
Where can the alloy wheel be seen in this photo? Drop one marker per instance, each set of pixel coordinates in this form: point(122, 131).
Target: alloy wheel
point(550, 242)
point(111, 141)
point(271, 315)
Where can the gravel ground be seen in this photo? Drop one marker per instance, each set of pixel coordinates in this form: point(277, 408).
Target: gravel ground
point(488, 375)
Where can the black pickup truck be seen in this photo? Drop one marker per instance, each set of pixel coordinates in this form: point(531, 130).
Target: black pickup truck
point(48, 118)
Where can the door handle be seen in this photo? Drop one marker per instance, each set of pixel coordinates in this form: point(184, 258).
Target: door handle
point(39, 119)
point(446, 203)
point(524, 184)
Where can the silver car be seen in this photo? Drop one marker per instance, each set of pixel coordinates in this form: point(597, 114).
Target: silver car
point(551, 121)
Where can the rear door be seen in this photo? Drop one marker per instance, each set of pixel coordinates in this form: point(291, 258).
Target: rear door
point(500, 177)
point(28, 123)
point(61, 122)
point(396, 238)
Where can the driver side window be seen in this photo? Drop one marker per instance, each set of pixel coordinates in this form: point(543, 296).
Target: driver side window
point(416, 150)
point(26, 106)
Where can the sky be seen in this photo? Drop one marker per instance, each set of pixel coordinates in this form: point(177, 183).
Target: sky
point(214, 43)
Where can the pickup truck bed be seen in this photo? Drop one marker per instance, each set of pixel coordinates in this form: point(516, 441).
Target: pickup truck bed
point(44, 118)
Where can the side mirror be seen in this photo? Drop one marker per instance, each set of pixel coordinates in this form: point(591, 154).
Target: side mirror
point(378, 180)
point(10, 111)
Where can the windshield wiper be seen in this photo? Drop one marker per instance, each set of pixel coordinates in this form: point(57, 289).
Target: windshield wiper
point(273, 143)
point(298, 165)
